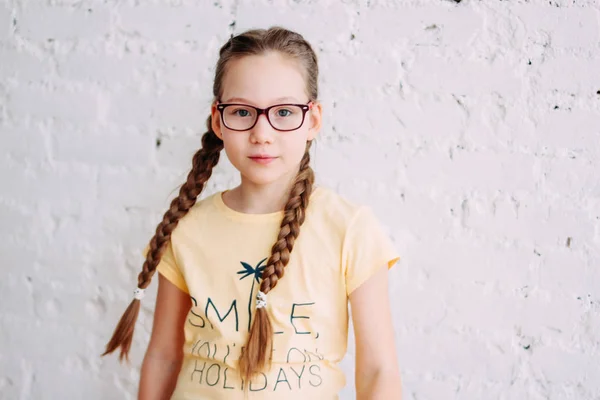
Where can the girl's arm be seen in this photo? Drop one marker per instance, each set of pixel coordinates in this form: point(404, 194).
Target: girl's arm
point(165, 351)
point(377, 373)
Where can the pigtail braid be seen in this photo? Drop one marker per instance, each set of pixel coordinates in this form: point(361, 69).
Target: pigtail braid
point(203, 163)
point(260, 340)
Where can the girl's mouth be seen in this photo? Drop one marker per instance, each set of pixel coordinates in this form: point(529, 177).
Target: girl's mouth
point(262, 159)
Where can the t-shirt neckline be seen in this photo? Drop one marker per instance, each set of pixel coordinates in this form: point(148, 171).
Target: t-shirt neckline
point(240, 216)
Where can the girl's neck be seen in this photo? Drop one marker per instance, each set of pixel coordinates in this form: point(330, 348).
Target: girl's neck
point(249, 198)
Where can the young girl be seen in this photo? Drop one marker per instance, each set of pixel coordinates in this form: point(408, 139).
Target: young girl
point(238, 313)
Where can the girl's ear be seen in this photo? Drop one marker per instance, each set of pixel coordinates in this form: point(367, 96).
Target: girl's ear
point(216, 121)
point(315, 116)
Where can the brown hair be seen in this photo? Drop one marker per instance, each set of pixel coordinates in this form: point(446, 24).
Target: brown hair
point(258, 348)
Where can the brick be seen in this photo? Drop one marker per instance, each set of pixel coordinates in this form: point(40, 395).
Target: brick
point(570, 74)
point(568, 27)
point(17, 295)
point(331, 158)
point(412, 121)
point(434, 307)
point(176, 151)
point(111, 146)
point(182, 67)
point(332, 18)
point(136, 188)
point(565, 271)
point(25, 144)
point(61, 188)
point(461, 356)
point(23, 66)
point(526, 219)
point(543, 362)
point(63, 23)
point(480, 262)
point(429, 25)
point(353, 67)
point(435, 388)
point(438, 73)
point(136, 108)
point(467, 305)
point(19, 255)
point(577, 129)
point(491, 120)
point(187, 23)
point(505, 171)
point(107, 69)
point(570, 221)
point(422, 215)
point(61, 104)
point(5, 21)
point(17, 221)
point(89, 385)
point(17, 373)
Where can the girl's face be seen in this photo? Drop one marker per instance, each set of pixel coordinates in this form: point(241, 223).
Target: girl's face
point(262, 154)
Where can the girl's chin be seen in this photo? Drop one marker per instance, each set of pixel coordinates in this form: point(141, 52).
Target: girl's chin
point(264, 177)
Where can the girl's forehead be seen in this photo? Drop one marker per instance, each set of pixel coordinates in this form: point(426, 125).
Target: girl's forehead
point(264, 79)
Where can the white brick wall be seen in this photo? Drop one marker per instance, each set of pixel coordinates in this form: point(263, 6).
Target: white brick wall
point(473, 129)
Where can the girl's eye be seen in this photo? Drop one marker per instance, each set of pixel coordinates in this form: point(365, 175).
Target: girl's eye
point(282, 112)
point(241, 112)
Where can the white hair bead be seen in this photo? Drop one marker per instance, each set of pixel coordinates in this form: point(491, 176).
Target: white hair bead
point(138, 294)
point(261, 300)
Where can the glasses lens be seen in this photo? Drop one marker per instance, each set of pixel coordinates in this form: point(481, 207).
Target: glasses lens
point(286, 117)
point(239, 117)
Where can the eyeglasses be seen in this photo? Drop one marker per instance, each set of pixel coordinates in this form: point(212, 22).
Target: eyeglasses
point(282, 117)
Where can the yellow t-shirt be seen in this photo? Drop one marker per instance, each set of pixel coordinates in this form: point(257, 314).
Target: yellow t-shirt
point(216, 254)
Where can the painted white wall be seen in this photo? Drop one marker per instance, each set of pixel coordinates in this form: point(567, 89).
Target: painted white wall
point(472, 129)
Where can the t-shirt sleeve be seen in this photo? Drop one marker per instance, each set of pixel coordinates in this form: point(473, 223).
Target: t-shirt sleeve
point(168, 268)
point(366, 249)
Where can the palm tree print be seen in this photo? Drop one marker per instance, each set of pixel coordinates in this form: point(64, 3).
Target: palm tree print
point(249, 271)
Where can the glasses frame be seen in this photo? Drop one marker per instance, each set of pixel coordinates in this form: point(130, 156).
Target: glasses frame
point(304, 107)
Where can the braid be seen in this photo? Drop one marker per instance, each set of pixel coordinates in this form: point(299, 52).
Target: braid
point(290, 226)
point(203, 163)
point(260, 339)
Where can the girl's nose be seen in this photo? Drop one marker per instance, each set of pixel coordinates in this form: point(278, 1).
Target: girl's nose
point(263, 131)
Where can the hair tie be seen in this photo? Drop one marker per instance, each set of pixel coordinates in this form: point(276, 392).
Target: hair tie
point(138, 294)
point(261, 300)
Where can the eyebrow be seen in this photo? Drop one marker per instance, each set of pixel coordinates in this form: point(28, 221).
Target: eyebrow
point(242, 100)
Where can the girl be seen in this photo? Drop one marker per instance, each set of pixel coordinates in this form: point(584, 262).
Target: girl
point(238, 313)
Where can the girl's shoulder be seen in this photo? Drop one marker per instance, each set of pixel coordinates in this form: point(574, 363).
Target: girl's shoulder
point(203, 206)
point(332, 206)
